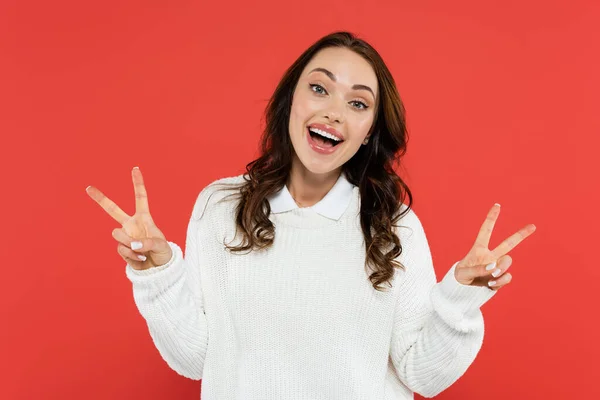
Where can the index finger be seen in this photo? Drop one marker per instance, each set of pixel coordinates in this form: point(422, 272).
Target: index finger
point(107, 204)
point(512, 241)
point(141, 197)
point(485, 232)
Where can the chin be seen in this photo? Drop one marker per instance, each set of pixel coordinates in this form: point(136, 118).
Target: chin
point(316, 166)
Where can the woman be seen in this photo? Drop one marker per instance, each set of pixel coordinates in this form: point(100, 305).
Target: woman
point(308, 277)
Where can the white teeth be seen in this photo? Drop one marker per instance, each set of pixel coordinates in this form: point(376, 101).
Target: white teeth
point(325, 134)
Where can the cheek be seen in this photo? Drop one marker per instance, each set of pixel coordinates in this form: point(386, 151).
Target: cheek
point(299, 114)
point(302, 106)
point(361, 128)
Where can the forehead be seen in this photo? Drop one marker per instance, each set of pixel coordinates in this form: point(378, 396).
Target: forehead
point(349, 67)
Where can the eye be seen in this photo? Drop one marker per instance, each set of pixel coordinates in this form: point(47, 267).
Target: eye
point(364, 106)
point(314, 85)
point(318, 89)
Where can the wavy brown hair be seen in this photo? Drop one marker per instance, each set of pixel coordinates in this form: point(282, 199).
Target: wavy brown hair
point(382, 191)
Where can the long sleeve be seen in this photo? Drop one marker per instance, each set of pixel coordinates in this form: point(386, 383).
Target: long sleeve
point(438, 327)
point(170, 299)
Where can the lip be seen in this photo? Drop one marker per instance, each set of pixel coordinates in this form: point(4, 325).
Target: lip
point(321, 150)
point(327, 129)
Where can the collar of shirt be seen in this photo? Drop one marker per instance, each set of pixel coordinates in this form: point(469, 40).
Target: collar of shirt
point(331, 206)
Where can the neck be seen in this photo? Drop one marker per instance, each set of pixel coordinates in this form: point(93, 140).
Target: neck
point(308, 188)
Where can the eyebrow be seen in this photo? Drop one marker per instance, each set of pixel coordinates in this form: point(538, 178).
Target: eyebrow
point(333, 78)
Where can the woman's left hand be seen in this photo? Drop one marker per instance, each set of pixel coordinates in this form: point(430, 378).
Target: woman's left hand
point(472, 269)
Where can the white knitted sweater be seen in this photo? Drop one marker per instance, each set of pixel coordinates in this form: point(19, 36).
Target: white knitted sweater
point(301, 320)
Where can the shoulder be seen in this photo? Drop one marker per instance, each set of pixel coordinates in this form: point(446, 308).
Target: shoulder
point(409, 224)
point(415, 256)
point(215, 192)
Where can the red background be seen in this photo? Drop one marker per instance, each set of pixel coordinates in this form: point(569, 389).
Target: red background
point(502, 100)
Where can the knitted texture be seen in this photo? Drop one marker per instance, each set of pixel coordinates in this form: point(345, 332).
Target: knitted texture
point(301, 320)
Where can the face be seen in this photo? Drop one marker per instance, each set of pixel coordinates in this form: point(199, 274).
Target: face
point(336, 94)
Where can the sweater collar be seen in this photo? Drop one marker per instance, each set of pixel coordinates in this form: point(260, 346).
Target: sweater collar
point(331, 206)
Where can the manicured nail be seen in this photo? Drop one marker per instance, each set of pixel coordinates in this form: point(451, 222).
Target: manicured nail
point(136, 245)
point(136, 167)
point(491, 283)
point(491, 266)
point(496, 273)
point(142, 257)
point(497, 204)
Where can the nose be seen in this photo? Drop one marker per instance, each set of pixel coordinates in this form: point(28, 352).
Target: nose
point(334, 116)
point(333, 113)
point(336, 109)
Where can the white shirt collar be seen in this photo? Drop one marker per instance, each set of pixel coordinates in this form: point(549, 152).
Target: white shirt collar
point(331, 206)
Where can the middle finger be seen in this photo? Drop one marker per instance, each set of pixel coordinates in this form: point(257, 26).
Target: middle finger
point(512, 241)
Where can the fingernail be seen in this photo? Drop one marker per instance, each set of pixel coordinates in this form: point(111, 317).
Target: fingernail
point(491, 266)
point(496, 273)
point(491, 283)
point(136, 167)
point(142, 257)
point(497, 204)
point(136, 245)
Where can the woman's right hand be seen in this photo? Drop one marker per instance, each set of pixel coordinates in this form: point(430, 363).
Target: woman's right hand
point(137, 228)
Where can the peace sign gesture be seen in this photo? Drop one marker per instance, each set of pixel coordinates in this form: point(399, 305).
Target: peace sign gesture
point(141, 244)
point(484, 267)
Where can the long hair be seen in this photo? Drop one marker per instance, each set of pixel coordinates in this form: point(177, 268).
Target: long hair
point(382, 191)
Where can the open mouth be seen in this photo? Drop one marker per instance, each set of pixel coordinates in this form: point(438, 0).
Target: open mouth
point(322, 140)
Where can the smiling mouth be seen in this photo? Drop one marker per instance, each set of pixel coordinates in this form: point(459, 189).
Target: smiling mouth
point(322, 140)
